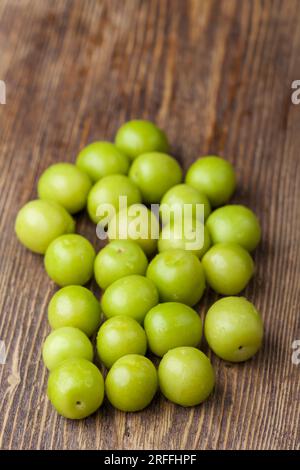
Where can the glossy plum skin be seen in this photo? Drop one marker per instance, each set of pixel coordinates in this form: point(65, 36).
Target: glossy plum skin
point(213, 176)
point(74, 306)
point(108, 191)
point(100, 159)
point(233, 329)
point(180, 195)
point(170, 325)
point(154, 173)
point(235, 224)
point(119, 336)
point(39, 222)
point(118, 259)
point(65, 184)
point(178, 276)
point(132, 295)
point(228, 268)
point(69, 260)
point(139, 136)
point(76, 388)
point(131, 383)
point(136, 223)
point(186, 376)
point(66, 343)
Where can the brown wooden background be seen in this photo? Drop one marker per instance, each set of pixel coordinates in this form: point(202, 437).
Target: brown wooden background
point(216, 75)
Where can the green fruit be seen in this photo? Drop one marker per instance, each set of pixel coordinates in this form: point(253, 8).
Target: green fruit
point(135, 223)
point(100, 159)
point(235, 224)
point(74, 306)
point(131, 295)
point(138, 136)
point(118, 337)
point(155, 173)
point(69, 259)
point(186, 376)
point(76, 388)
point(184, 199)
point(228, 268)
point(170, 325)
point(104, 198)
point(178, 276)
point(234, 329)
point(66, 343)
point(214, 177)
point(118, 259)
point(38, 223)
point(65, 184)
point(131, 383)
point(191, 235)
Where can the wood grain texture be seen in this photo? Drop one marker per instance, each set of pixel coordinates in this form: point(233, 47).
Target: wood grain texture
point(216, 75)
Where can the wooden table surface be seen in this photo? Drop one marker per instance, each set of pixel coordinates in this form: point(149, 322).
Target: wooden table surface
point(216, 75)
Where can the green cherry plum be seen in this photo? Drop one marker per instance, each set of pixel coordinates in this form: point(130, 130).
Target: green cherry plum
point(236, 224)
point(191, 235)
point(76, 388)
point(69, 260)
point(136, 223)
point(182, 198)
point(74, 306)
point(100, 159)
point(154, 173)
point(39, 222)
point(228, 268)
point(178, 276)
point(132, 295)
point(118, 259)
point(233, 329)
point(170, 325)
point(186, 376)
point(66, 343)
point(65, 184)
point(131, 383)
point(213, 176)
point(140, 136)
point(104, 198)
point(119, 336)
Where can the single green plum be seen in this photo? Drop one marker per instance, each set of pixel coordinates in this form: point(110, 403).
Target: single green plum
point(228, 268)
point(234, 329)
point(178, 276)
point(181, 199)
point(119, 336)
point(74, 306)
point(66, 343)
point(191, 235)
point(135, 223)
point(76, 388)
point(139, 136)
point(186, 376)
point(131, 295)
point(170, 325)
point(104, 199)
point(65, 184)
point(213, 176)
point(100, 159)
point(131, 383)
point(39, 222)
point(236, 224)
point(154, 173)
point(69, 260)
point(118, 259)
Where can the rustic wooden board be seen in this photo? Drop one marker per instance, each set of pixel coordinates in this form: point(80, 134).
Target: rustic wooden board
point(216, 75)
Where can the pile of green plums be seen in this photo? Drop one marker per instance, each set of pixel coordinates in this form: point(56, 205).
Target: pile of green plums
point(150, 284)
